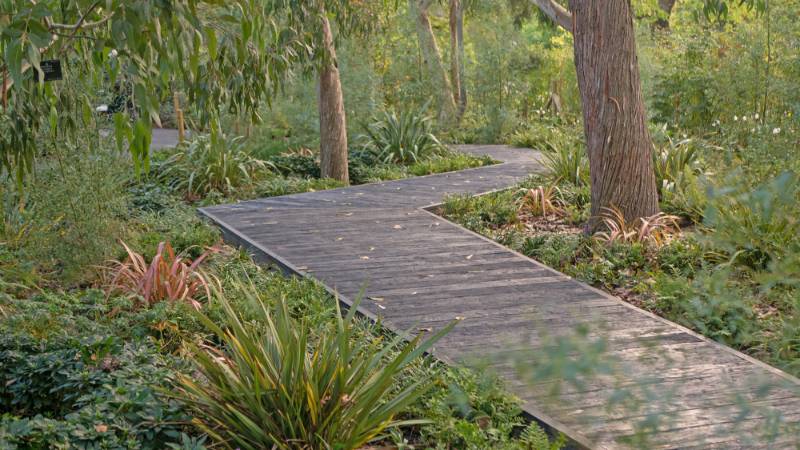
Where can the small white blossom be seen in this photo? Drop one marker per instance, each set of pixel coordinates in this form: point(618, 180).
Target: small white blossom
point(735, 119)
point(744, 118)
point(113, 53)
point(756, 116)
point(776, 130)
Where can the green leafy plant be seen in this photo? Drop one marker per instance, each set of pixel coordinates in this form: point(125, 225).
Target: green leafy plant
point(755, 227)
point(403, 138)
point(210, 163)
point(569, 164)
point(168, 277)
point(272, 385)
point(674, 165)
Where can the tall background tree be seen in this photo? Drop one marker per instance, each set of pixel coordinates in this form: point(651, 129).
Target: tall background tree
point(618, 142)
point(432, 58)
point(614, 117)
point(457, 68)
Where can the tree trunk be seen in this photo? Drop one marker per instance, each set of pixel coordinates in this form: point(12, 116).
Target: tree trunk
point(615, 122)
point(457, 57)
point(433, 60)
point(666, 7)
point(332, 123)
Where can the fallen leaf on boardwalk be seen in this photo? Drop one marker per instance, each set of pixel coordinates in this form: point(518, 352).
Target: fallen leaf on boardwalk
point(426, 330)
point(376, 299)
point(414, 293)
point(371, 248)
point(302, 268)
point(348, 214)
point(459, 318)
point(339, 238)
point(381, 306)
point(470, 256)
point(365, 257)
point(397, 227)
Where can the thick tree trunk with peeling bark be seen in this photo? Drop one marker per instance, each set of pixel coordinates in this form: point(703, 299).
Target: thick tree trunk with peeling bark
point(457, 56)
point(332, 122)
point(433, 60)
point(615, 122)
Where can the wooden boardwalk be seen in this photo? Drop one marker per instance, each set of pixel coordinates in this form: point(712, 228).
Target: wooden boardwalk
point(421, 272)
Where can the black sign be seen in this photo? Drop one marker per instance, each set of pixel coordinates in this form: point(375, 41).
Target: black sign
point(52, 70)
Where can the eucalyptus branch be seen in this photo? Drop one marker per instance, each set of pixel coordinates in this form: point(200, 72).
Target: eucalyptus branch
point(81, 23)
point(556, 13)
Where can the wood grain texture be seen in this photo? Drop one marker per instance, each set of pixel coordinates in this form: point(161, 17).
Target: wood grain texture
point(419, 272)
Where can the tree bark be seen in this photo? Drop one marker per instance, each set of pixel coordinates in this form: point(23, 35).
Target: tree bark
point(457, 57)
point(615, 123)
point(433, 60)
point(332, 122)
point(666, 6)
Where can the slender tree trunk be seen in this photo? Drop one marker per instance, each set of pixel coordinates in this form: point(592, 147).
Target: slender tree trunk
point(433, 60)
point(332, 123)
point(666, 6)
point(457, 56)
point(615, 122)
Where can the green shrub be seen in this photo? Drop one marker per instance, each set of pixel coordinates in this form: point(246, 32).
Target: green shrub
point(68, 217)
point(719, 309)
point(179, 224)
point(477, 213)
point(547, 135)
point(755, 227)
point(684, 94)
point(277, 185)
point(672, 161)
point(334, 392)
point(568, 164)
point(210, 163)
point(448, 162)
point(297, 165)
point(402, 138)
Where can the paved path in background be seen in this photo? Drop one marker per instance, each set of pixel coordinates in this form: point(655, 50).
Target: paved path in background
point(421, 272)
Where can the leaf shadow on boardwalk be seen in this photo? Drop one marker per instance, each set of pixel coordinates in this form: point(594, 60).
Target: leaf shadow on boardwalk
point(420, 272)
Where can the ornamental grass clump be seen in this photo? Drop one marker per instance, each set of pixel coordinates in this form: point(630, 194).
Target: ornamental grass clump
point(271, 384)
point(655, 230)
point(211, 164)
point(403, 138)
point(540, 201)
point(168, 277)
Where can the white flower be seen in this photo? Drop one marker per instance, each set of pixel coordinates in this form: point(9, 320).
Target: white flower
point(113, 53)
point(744, 118)
point(735, 119)
point(776, 130)
point(752, 130)
point(756, 116)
